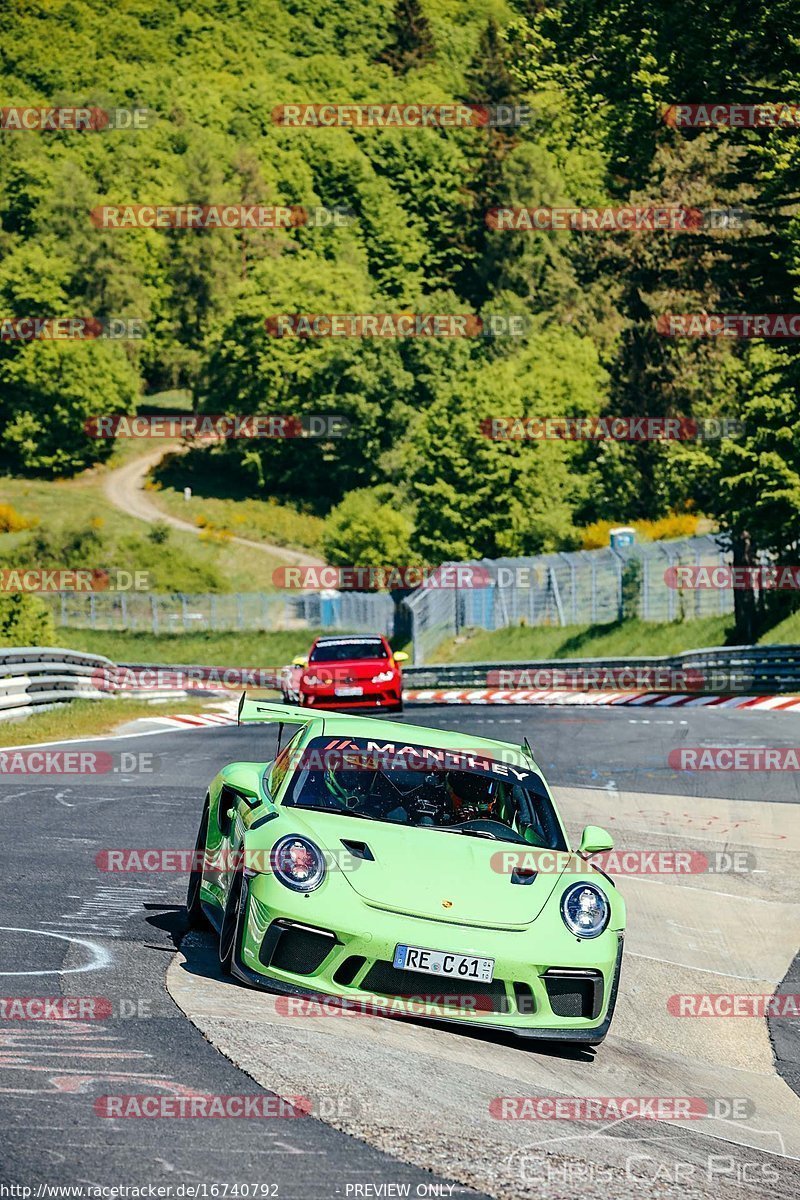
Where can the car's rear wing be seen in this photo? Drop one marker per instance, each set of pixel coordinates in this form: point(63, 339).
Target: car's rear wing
point(266, 712)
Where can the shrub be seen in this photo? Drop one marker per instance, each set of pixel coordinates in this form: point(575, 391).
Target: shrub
point(158, 533)
point(25, 621)
point(13, 522)
point(363, 531)
point(674, 525)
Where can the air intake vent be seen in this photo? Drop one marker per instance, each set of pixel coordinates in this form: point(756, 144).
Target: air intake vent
point(575, 993)
point(358, 849)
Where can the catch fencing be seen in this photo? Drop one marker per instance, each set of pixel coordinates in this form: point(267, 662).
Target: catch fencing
point(156, 613)
point(586, 587)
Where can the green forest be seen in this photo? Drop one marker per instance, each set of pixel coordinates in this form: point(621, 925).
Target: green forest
point(596, 78)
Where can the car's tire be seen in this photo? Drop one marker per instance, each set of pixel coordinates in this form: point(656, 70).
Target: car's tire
point(229, 932)
point(194, 910)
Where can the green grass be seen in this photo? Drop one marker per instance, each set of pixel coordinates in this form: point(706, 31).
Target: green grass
point(619, 639)
point(176, 400)
point(271, 649)
point(219, 502)
point(786, 631)
point(85, 718)
point(185, 563)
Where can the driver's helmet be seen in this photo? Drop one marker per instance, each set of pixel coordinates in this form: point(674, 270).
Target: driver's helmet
point(472, 796)
point(346, 787)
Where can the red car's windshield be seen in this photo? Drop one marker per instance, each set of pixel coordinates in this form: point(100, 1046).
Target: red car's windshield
point(348, 650)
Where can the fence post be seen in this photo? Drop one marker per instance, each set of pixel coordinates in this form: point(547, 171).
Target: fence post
point(593, 565)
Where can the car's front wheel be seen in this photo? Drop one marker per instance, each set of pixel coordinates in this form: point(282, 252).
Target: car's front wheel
point(230, 924)
point(194, 909)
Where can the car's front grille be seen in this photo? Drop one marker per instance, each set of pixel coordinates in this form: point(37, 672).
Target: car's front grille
point(294, 948)
point(574, 993)
point(384, 979)
point(523, 996)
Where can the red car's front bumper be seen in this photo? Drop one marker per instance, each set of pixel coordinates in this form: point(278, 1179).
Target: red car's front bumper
point(390, 697)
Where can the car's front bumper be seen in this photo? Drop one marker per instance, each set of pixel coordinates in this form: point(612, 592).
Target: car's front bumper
point(547, 983)
point(371, 697)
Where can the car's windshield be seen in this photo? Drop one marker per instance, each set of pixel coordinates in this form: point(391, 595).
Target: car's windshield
point(347, 649)
point(450, 791)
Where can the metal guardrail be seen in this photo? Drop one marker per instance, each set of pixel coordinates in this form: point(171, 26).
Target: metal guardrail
point(739, 670)
point(36, 676)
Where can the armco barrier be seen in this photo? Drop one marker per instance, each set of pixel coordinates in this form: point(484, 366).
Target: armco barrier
point(36, 676)
point(44, 675)
point(738, 670)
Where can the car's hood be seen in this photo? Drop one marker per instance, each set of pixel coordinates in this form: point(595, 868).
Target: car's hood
point(445, 877)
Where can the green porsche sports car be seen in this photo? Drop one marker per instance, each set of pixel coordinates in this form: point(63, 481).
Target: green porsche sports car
point(411, 871)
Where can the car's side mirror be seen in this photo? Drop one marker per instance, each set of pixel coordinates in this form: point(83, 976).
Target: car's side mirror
point(595, 840)
point(401, 656)
point(299, 661)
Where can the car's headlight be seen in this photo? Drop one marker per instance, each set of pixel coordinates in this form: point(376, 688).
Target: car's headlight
point(383, 677)
point(314, 681)
point(298, 863)
point(585, 910)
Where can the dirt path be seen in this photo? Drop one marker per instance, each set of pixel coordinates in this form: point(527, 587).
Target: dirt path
point(124, 487)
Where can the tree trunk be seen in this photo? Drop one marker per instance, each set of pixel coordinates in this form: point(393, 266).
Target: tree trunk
point(744, 600)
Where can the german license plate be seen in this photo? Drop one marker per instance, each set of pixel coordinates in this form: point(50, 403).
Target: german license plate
point(348, 691)
point(439, 962)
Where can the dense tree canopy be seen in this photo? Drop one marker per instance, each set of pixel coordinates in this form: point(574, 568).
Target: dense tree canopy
point(596, 78)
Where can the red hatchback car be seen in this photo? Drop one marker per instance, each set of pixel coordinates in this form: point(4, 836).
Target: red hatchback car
point(355, 671)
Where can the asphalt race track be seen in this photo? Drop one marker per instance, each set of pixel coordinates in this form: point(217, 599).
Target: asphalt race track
point(405, 1105)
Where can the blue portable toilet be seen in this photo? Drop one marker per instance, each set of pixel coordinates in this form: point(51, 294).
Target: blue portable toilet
point(621, 536)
